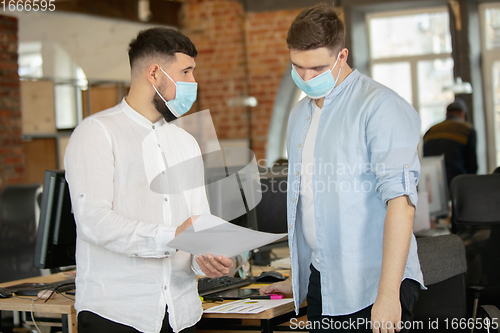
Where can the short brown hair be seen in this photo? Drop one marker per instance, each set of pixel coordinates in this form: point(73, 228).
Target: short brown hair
point(316, 27)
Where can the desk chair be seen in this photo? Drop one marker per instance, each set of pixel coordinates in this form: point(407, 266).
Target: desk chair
point(443, 264)
point(18, 231)
point(19, 213)
point(476, 218)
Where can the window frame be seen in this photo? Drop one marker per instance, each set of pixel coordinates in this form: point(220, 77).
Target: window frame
point(413, 60)
point(488, 58)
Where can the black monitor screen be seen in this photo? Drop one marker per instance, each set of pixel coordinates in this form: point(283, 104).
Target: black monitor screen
point(56, 238)
point(271, 210)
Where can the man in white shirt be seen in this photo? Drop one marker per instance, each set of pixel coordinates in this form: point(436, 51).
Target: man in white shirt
point(128, 279)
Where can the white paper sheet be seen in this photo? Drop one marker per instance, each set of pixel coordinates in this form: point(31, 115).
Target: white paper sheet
point(210, 234)
point(248, 306)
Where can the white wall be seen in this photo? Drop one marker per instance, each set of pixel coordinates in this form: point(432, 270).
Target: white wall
point(98, 45)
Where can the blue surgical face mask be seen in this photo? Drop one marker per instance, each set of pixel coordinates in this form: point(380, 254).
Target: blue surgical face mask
point(185, 96)
point(319, 86)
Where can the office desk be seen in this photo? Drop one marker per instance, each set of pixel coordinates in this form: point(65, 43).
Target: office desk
point(269, 319)
point(57, 306)
point(60, 305)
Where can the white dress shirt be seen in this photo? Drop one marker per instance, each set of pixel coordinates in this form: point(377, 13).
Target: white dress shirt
point(125, 271)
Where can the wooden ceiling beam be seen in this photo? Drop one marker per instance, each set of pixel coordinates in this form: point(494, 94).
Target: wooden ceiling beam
point(163, 12)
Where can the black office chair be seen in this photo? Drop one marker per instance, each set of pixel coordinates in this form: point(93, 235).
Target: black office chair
point(18, 231)
point(444, 304)
point(443, 264)
point(476, 219)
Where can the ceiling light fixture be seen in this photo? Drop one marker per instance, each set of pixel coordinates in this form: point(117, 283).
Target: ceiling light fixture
point(459, 87)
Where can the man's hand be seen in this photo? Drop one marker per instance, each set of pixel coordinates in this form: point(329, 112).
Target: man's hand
point(214, 267)
point(283, 287)
point(186, 224)
point(386, 315)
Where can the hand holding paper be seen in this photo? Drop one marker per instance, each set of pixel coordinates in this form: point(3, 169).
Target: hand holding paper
point(214, 267)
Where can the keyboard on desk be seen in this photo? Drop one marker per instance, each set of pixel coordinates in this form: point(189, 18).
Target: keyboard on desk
point(32, 289)
point(212, 285)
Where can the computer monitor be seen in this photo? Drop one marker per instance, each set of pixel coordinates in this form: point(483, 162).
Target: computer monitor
point(433, 181)
point(271, 210)
point(232, 195)
point(269, 215)
point(56, 237)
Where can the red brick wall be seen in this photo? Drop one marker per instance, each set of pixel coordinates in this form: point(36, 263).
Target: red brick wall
point(225, 37)
point(11, 149)
point(268, 58)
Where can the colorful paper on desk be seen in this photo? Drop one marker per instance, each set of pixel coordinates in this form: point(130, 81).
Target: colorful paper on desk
point(248, 306)
point(210, 234)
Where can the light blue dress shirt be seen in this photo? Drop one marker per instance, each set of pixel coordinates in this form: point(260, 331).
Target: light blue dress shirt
point(365, 154)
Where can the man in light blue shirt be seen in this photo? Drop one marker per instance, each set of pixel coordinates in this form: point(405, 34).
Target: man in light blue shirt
point(353, 171)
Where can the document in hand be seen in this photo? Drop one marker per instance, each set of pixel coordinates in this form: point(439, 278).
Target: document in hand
point(210, 234)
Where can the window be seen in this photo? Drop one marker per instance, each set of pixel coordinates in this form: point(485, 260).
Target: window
point(410, 52)
point(69, 79)
point(490, 26)
point(30, 59)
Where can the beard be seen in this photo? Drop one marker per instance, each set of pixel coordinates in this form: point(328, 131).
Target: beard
point(163, 109)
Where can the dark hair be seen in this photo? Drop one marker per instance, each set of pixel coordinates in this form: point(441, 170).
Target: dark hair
point(316, 27)
point(457, 105)
point(159, 42)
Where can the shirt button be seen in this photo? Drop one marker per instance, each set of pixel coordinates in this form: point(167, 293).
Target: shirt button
point(153, 127)
point(308, 118)
point(293, 199)
point(159, 145)
point(406, 166)
point(289, 226)
point(297, 173)
point(163, 172)
point(300, 145)
point(166, 253)
point(164, 287)
point(166, 199)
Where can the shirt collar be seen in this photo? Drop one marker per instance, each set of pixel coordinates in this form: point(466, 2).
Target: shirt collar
point(338, 89)
point(137, 117)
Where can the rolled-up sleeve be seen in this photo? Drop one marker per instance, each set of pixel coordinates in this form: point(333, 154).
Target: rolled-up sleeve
point(393, 132)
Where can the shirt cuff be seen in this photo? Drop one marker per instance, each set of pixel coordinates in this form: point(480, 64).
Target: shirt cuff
point(163, 237)
point(196, 268)
point(396, 186)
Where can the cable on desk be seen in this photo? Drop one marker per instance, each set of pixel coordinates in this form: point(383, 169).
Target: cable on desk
point(64, 295)
point(38, 298)
point(33, 314)
point(32, 310)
